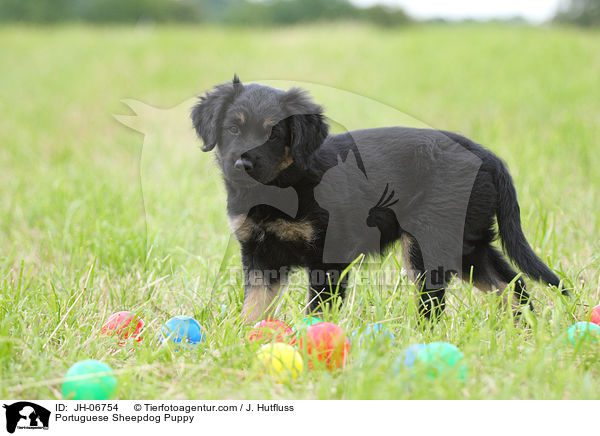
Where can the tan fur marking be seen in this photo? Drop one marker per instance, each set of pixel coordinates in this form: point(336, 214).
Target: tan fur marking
point(258, 302)
point(494, 282)
point(287, 159)
point(241, 226)
point(291, 231)
point(496, 287)
point(268, 122)
point(240, 116)
point(500, 288)
point(407, 244)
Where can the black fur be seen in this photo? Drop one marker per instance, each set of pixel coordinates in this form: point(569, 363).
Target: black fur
point(307, 127)
point(208, 116)
point(295, 151)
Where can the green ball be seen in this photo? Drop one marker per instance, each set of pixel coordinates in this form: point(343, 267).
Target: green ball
point(303, 325)
point(441, 359)
point(89, 380)
point(311, 320)
point(583, 331)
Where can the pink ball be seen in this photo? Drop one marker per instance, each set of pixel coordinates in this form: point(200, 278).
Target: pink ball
point(595, 318)
point(121, 324)
point(272, 330)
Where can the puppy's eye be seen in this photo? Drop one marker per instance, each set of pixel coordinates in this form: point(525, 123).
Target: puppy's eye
point(274, 135)
point(234, 130)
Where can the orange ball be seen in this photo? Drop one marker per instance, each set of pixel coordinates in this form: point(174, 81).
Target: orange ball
point(271, 330)
point(325, 342)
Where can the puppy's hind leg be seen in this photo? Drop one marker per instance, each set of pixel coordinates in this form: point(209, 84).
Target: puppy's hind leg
point(492, 273)
point(503, 269)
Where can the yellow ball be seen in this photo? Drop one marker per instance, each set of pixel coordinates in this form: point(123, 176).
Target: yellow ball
point(281, 361)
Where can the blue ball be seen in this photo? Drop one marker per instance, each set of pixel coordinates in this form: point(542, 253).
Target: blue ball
point(371, 333)
point(182, 330)
point(409, 357)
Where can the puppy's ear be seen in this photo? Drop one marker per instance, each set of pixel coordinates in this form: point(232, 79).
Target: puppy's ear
point(207, 115)
point(307, 124)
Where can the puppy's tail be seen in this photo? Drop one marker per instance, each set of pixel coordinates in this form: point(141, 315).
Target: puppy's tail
point(515, 244)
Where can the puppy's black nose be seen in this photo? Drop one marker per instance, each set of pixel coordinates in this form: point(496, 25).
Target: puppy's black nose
point(243, 164)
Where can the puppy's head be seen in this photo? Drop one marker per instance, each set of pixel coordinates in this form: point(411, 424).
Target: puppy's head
point(258, 131)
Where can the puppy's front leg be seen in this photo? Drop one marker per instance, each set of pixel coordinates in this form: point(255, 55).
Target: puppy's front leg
point(323, 280)
point(261, 290)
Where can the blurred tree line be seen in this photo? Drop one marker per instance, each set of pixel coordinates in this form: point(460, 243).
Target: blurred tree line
point(250, 12)
point(580, 12)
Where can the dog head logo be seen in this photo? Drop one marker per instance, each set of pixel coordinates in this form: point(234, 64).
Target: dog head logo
point(344, 191)
point(26, 415)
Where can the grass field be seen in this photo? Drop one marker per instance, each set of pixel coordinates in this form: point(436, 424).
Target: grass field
point(75, 244)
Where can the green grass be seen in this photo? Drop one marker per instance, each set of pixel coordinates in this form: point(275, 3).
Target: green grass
point(78, 241)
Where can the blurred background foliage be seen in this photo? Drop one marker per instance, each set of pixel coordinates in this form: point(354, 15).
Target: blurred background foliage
point(246, 12)
point(580, 12)
point(214, 11)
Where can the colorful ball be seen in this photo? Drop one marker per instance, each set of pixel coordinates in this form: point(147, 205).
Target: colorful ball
point(441, 359)
point(281, 361)
point(311, 320)
point(327, 343)
point(371, 333)
point(303, 325)
point(182, 330)
point(89, 380)
point(271, 330)
point(583, 331)
point(595, 316)
point(123, 324)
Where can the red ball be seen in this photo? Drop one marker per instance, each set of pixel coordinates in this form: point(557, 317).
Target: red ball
point(120, 323)
point(271, 330)
point(596, 315)
point(326, 342)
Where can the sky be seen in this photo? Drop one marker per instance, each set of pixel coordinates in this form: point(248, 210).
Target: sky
point(532, 10)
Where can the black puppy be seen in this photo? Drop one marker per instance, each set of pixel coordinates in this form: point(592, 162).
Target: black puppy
point(300, 197)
